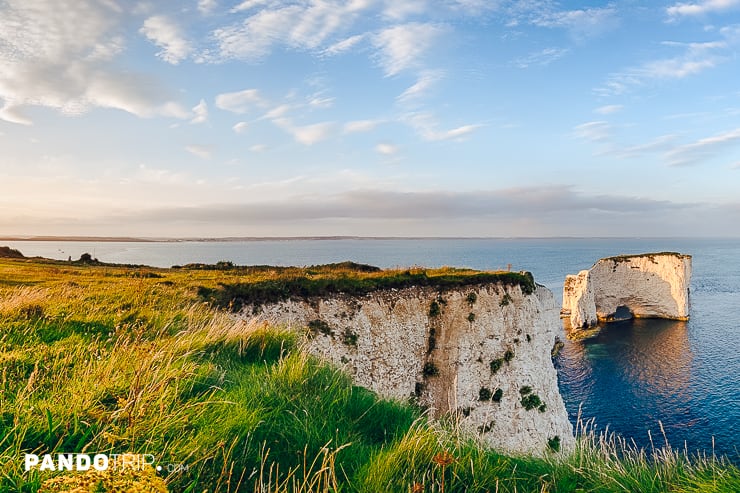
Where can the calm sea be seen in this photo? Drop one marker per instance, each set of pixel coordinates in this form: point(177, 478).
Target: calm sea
point(633, 376)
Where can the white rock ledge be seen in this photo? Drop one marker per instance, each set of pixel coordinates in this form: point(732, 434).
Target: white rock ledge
point(393, 342)
point(649, 285)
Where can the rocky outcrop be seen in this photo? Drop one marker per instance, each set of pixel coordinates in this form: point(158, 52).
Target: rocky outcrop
point(578, 299)
point(481, 351)
point(651, 285)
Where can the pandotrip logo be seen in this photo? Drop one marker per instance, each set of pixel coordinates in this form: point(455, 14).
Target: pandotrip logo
point(98, 462)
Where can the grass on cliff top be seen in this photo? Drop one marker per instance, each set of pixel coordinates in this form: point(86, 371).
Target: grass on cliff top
point(652, 255)
point(98, 359)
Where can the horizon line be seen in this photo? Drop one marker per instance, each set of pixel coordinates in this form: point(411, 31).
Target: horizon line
point(195, 239)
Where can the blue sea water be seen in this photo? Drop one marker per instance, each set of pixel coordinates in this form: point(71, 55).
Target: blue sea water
point(630, 379)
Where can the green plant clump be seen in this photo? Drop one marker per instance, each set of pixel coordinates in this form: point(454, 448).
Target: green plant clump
point(430, 369)
point(320, 326)
point(434, 309)
point(349, 337)
point(484, 394)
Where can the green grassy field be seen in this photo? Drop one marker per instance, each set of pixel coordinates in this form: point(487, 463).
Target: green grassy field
point(113, 359)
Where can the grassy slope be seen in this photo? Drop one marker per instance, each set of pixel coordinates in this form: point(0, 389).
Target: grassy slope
point(115, 359)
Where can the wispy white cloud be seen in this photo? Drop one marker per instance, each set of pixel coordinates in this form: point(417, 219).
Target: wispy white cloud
point(701, 8)
point(399, 10)
point(321, 102)
point(358, 126)
point(203, 152)
point(609, 109)
point(386, 149)
point(702, 149)
point(403, 46)
point(207, 6)
point(344, 45)
point(240, 127)
point(581, 23)
point(14, 114)
point(597, 131)
point(306, 134)
point(258, 148)
point(278, 111)
point(694, 59)
point(658, 144)
point(201, 112)
point(165, 33)
point(311, 25)
point(426, 80)
point(160, 176)
point(240, 101)
point(427, 127)
point(541, 58)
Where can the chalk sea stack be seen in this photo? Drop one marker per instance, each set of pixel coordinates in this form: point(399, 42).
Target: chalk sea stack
point(649, 285)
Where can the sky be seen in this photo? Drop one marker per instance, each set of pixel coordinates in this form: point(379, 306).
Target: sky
point(228, 118)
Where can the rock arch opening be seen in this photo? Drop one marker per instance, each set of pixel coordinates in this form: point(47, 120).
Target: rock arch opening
point(622, 313)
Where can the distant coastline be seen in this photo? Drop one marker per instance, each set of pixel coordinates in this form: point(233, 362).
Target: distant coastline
point(132, 239)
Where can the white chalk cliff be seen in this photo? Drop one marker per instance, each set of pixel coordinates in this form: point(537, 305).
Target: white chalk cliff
point(483, 351)
point(650, 285)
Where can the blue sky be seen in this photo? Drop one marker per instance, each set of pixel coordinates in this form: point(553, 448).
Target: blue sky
point(369, 117)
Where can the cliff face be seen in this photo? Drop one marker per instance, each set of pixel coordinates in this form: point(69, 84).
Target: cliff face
point(652, 285)
point(483, 351)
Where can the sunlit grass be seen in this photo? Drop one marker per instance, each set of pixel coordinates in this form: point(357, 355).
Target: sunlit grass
point(101, 359)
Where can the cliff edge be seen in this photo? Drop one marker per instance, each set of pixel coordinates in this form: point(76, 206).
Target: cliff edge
point(482, 351)
point(650, 285)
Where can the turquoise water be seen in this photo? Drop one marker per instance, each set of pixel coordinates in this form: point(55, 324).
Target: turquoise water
point(633, 376)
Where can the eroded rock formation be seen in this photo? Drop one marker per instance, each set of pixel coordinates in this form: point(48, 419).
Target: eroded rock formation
point(650, 285)
point(482, 351)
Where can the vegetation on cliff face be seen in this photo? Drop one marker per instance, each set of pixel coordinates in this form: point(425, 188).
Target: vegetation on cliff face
point(322, 281)
point(103, 359)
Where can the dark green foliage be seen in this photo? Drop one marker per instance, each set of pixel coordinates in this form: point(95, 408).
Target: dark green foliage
point(349, 337)
point(497, 395)
point(556, 347)
point(505, 300)
point(554, 443)
point(531, 401)
point(496, 365)
point(319, 326)
point(486, 427)
point(471, 317)
point(430, 369)
point(529, 338)
point(434, 310)
point(471, 299)
point(508, 355)
point(236, 295)
point(484, 394)
point(7, 252)
point(86, 258)
point(432, 340)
